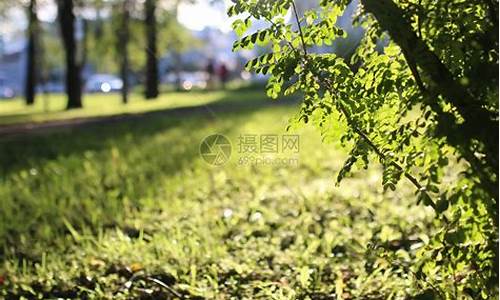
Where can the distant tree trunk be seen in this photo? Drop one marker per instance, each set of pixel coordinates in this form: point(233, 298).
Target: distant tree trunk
point(123, 49)
point(31, 70)
point(151, 50)
point(82, 62)
point(67, 18)
point(177, 58)
point(43, 72)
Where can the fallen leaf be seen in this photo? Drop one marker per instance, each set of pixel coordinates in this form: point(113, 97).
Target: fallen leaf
point(136, 267)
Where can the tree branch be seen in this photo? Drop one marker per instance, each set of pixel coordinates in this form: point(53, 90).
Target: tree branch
point(353, 125)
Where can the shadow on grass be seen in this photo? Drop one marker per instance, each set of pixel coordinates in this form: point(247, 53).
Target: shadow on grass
point(87, 175)
point(35, 145)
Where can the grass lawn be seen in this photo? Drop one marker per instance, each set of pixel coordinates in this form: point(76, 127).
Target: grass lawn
point(97, 105)
point(130, 210)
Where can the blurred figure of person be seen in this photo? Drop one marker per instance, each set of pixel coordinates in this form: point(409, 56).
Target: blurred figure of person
point(210, 69)
point(223, 73)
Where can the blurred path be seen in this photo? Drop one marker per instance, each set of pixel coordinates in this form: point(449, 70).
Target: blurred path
point(211, 109)
point(48, 126)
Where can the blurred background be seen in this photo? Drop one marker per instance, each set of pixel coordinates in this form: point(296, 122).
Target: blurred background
point(123, 46)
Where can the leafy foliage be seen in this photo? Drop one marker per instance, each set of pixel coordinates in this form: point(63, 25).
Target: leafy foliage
point(400, 111)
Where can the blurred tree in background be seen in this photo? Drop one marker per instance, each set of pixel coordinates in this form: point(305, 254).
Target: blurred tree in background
point(152, 81)
point(90, 30)
point(122, 47)
point(74, 63)
point(33, 44)
point(31, 70)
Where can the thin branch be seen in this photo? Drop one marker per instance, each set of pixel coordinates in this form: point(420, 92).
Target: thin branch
point(297, 19)
point(414, 71)
point(166, 287)
point(380, 154)
point(141, 276)
point(351, 123)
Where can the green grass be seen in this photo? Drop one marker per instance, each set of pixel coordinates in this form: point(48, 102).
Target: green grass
point(97, 105)
point(97, 212)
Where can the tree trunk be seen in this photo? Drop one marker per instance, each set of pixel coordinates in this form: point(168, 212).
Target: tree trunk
point(31, 70)
point(151, 51)
point(390, 17)
point(123, 50)
point(67, 18)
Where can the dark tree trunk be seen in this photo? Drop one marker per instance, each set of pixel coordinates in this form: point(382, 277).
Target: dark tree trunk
point(67, 18)
point(82, 60)
point(31, 70)
point(391, 18)
point(123, 50)
point(151, 50)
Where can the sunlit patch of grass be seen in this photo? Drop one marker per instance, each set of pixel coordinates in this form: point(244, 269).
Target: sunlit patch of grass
point(52, 107)
point(102, 211)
